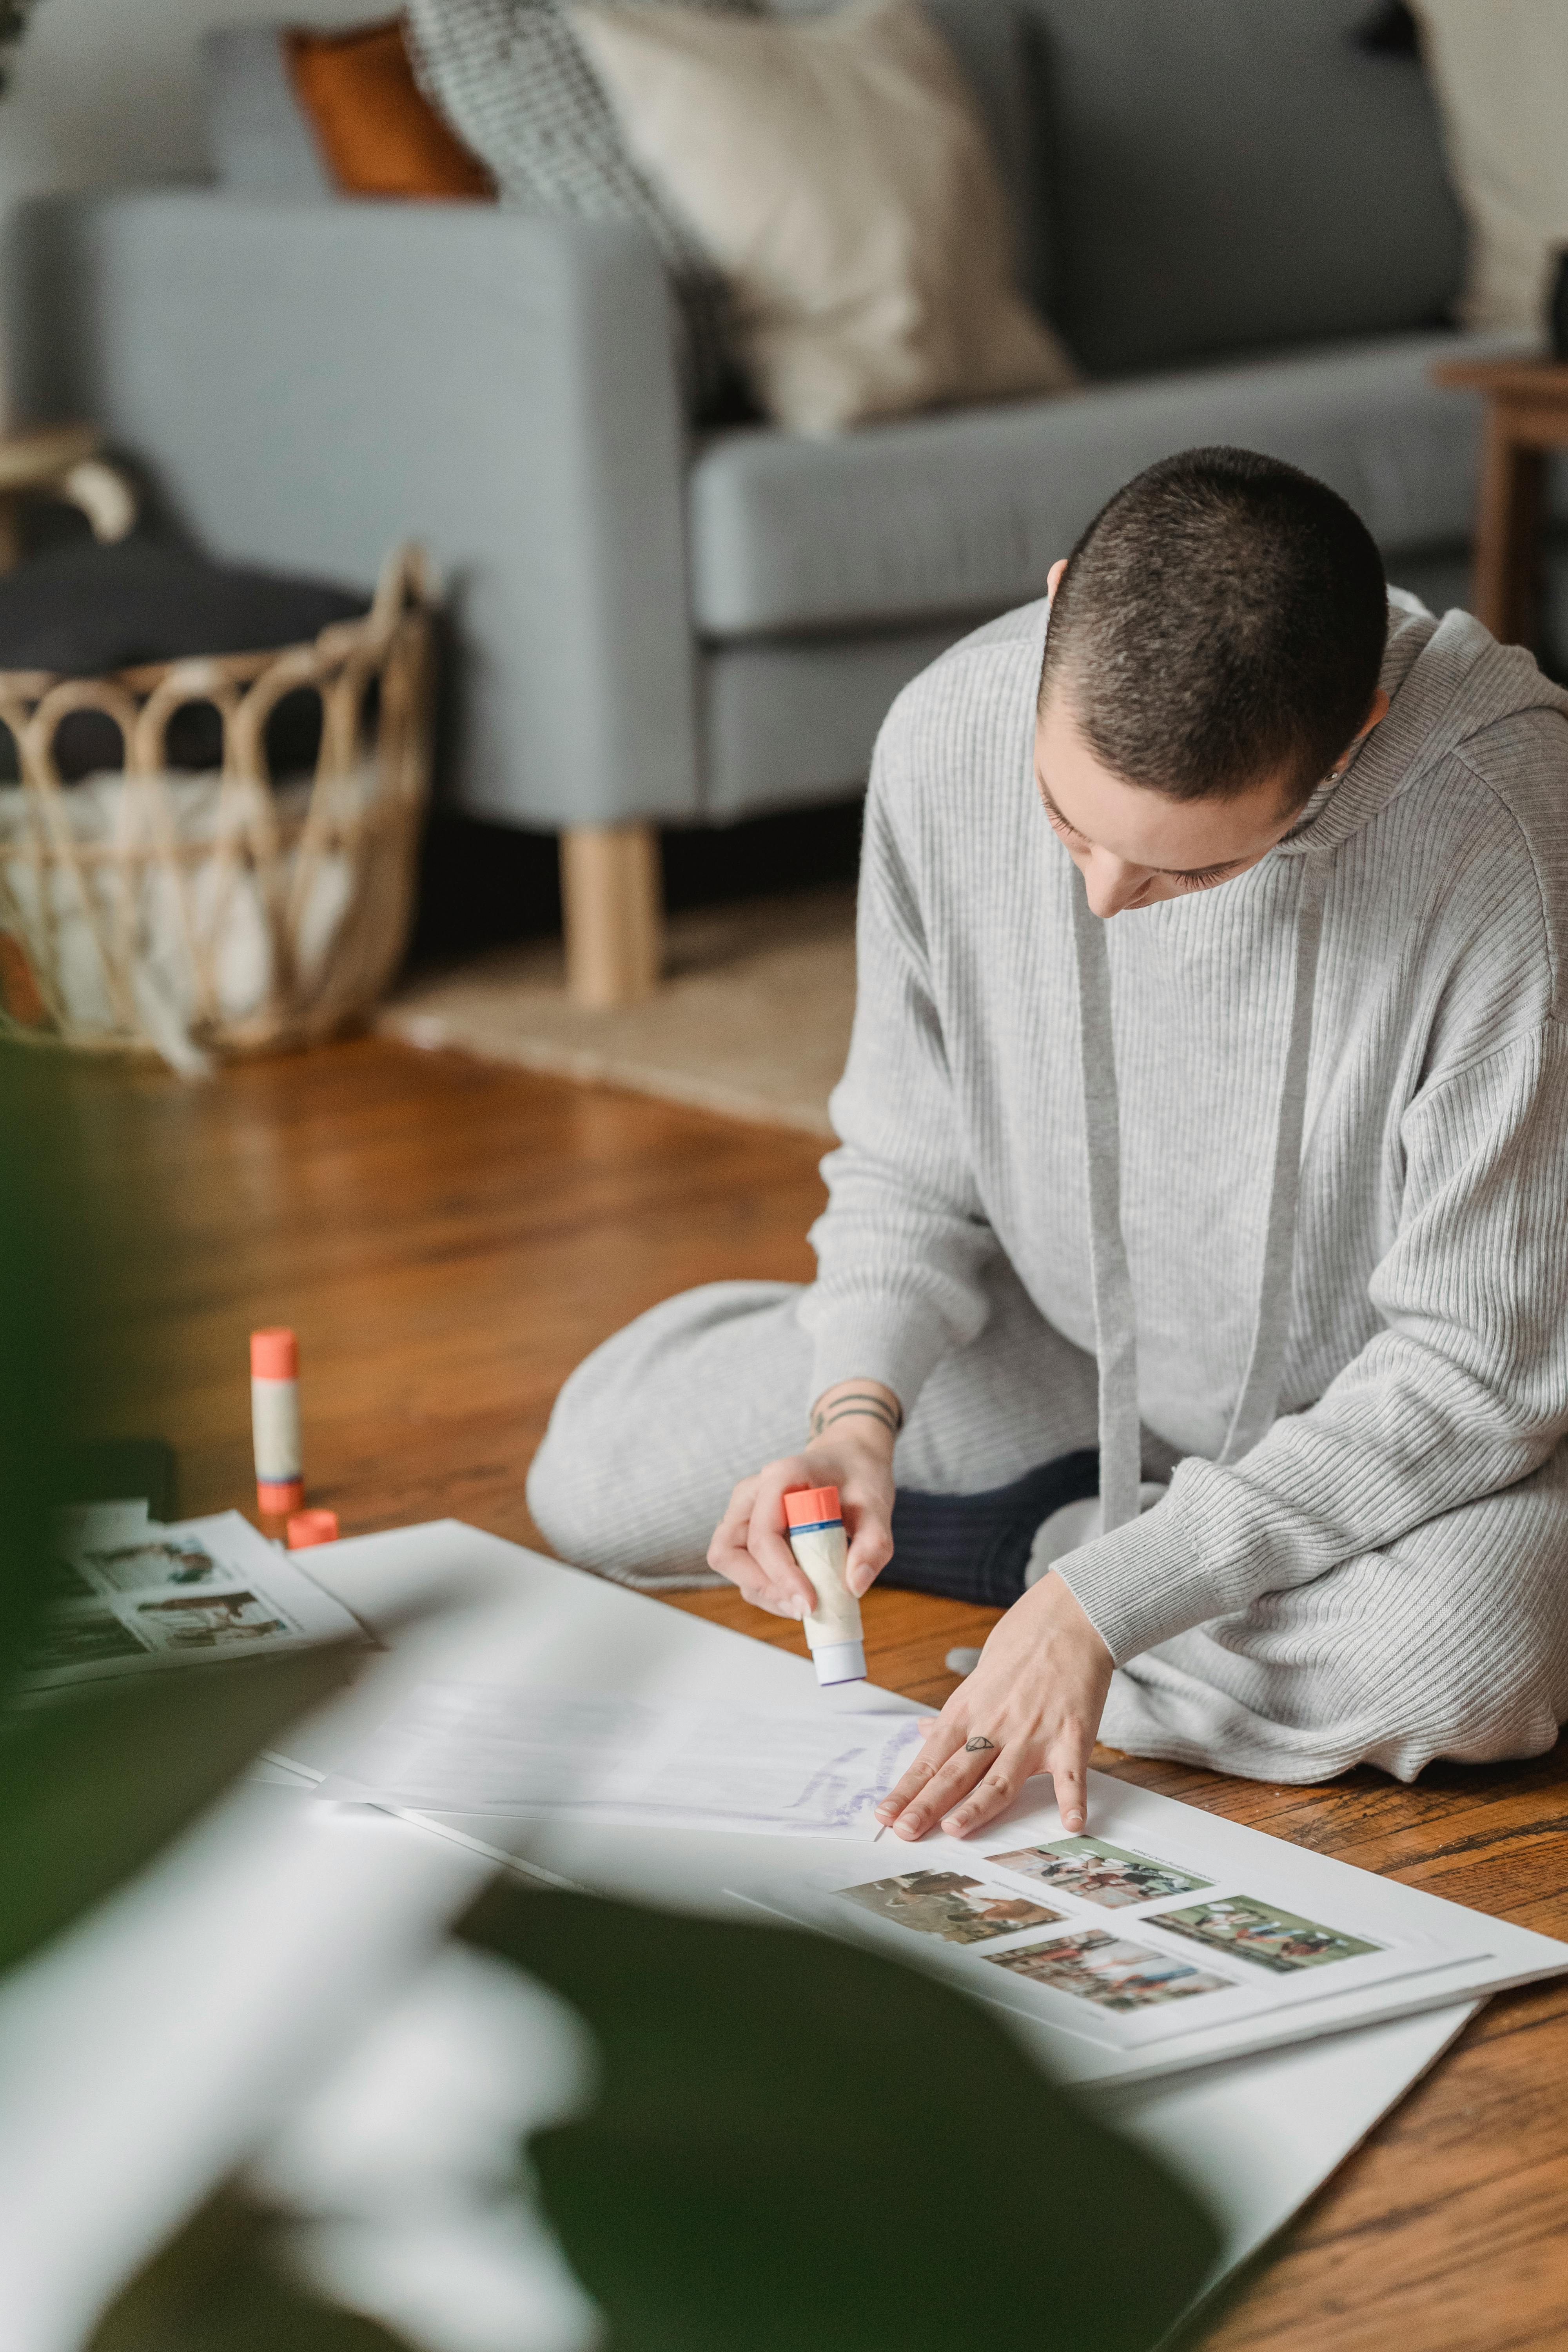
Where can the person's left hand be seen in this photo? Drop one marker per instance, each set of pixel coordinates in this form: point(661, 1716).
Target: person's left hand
point(1032, 1705)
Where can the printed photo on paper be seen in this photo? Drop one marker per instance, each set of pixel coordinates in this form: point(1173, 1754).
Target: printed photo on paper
point(945, 1903)
point(181, 1562)
point(1111, 1876)
point(1109, 1971)
point(1279, 1940)
point(79, 1634)
point(210, 1621)
point(131, 1595)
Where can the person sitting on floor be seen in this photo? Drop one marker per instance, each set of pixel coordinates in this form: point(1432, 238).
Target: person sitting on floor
point(1260, 1188)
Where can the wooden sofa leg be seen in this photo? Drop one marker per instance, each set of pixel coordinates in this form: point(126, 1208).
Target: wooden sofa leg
point(612, 899)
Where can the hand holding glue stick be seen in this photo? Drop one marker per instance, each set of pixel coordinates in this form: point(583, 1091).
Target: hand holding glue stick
point(1031, 1705)
point(853, 1427)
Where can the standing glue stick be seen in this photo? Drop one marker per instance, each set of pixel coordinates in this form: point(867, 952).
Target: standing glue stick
point(818, 1539)
point(275, 1420)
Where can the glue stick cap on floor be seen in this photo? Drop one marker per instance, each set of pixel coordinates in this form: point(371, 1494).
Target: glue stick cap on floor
point(274, 1355)
point(307, 1527)
point(811, 1506)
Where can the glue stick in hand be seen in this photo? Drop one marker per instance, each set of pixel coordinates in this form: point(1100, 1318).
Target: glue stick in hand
point(275, 1420)
point(818, 1539)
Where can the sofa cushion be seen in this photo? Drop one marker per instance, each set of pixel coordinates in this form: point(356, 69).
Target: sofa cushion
point(1225, 174)
point(965, 512)
point(1501, 77)
point(379, 133)
point(259, 141)
point(514, 83)
point(839, 174)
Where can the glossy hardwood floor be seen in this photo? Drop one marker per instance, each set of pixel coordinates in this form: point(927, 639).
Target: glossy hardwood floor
point(449, 1239)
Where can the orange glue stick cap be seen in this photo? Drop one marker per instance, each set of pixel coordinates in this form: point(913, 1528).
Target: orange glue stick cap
point(808, 1506)
point(307, 1527)
point(274, 1355)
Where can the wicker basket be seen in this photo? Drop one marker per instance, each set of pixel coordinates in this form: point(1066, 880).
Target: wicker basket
point(192, 916)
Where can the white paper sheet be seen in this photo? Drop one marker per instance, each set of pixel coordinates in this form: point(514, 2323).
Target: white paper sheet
point(1262, 2132)
point(483, 1748)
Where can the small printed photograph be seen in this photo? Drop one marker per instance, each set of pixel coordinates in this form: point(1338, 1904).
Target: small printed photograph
point(83, 1636)
point(1275, 1939)
point(1098, 1872)
point(211, 1621)
point(179, 1560)
point(1109, 1971)
point(945, 1903)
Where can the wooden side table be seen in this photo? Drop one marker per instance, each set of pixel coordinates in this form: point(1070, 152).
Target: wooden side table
point(1527, 418)
point(62, 459)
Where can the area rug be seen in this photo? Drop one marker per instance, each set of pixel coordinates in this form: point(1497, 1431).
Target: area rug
point(752, 1019)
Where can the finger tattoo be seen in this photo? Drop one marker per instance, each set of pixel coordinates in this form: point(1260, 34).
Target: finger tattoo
point(977, 1746)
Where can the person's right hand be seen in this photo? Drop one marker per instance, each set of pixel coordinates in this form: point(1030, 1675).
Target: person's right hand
point(852, 1449)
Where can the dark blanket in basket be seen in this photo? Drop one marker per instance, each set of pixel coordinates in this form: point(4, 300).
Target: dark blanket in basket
point(86, 610)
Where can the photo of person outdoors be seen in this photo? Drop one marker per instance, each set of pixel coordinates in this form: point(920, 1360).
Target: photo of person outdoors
point(1276, 1939)
point(945, 1903)
point(1109, 1971)
point(131, 1567)
point(1099, 1872)
point(201, 1620)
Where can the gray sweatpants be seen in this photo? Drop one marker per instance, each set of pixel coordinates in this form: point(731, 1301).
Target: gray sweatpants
point(1452, 1642)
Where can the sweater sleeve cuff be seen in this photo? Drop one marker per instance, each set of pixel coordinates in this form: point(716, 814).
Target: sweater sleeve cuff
point(1141, 1584)
point(875, 1339)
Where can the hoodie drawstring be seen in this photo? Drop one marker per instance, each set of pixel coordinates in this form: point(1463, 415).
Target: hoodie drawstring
point(1115, 1318)
point(1258, 1402)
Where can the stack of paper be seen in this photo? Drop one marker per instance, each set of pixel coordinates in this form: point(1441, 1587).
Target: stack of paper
point(463, 1748)
point(130, 1592)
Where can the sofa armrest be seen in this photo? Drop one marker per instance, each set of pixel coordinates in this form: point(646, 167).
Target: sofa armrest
point(309, 383)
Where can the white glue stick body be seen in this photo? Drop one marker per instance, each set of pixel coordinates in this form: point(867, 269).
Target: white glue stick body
point(275, 1421)
point(818, 1539)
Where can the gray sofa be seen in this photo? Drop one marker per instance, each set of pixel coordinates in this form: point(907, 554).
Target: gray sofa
point(1237, 217)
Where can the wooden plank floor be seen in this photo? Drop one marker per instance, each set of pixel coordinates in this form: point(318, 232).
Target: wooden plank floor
point(449, 1239)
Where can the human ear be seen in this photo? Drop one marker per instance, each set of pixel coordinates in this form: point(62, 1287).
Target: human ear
point(1378, 711)
point(1053, 581)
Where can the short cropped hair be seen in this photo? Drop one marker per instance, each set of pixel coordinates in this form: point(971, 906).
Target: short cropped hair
point(1222, 619)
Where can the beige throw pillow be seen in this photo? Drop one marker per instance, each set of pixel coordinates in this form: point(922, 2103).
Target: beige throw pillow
point(1500, 67)
point(837, 173)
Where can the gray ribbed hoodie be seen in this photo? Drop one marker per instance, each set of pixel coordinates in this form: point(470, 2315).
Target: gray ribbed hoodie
point(1325, 1106)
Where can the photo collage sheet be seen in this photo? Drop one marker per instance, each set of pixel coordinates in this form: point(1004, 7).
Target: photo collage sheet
point(1122, 1943)
point(130, 1592)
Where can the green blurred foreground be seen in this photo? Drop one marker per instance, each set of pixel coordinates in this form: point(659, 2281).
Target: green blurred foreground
point(798, 2146)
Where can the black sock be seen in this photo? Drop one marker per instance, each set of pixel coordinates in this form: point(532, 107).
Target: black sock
point(976, 1547)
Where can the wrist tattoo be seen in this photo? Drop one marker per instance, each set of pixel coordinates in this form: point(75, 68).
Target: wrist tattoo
point(849, 1412)
point(858, 1401)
